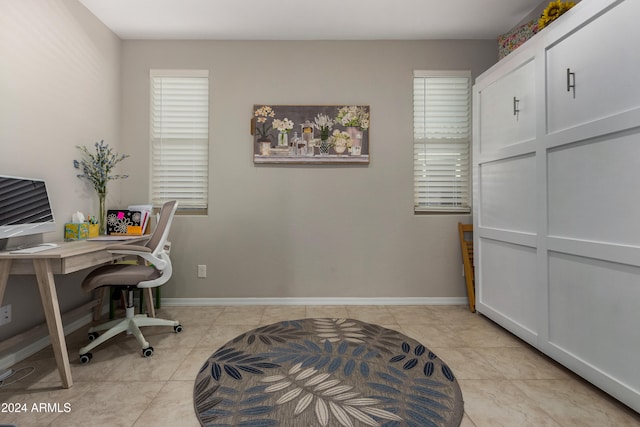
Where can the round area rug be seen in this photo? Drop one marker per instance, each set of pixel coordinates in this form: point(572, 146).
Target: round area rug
point(326, 372)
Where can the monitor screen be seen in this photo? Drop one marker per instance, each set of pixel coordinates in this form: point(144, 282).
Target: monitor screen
point(24, 207)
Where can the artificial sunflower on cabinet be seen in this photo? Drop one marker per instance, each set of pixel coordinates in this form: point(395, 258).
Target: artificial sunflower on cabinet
point(553, 12)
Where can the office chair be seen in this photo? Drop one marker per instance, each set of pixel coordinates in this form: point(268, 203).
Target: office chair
point(129, 277)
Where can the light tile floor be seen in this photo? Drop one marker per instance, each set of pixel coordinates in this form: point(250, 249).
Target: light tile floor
point(504, 381)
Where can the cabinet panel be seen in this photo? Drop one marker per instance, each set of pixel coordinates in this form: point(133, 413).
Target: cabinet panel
point(508, 277)
point(590, 316)
point(603, 55)
point(507, 109)
point(591, 193)
point(508, 194)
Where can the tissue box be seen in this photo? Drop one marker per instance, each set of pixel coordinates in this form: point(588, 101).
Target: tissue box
point(76, 231)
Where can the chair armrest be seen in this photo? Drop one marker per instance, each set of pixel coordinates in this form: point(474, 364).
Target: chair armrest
point(115, 248)
point(160, 264)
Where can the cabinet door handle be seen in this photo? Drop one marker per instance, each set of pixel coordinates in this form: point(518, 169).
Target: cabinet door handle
point(516, 107)
point(571, 82)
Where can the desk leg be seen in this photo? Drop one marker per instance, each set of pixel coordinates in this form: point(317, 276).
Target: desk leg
point(5, 267)
point(49, 298)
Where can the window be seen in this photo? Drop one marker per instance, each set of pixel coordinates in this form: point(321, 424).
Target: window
point(180, 138)
point(441, 140)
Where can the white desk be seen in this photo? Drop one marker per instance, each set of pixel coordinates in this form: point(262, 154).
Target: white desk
point(69, 257)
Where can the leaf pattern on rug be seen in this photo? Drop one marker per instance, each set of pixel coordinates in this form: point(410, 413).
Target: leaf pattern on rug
point(204, 399)
point(332, 397)
point(336, 330)
point(231, 404)
point(346, 356)
point(382, 339)
point(326, 372)
point(276, 333)
point(427, 397)
point(231, 361)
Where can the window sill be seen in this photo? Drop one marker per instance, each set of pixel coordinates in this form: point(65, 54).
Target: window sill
point(441, 211)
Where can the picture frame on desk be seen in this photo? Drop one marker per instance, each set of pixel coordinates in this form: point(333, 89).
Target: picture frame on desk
point(128, 222)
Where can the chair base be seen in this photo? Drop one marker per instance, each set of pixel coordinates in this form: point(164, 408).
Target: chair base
point(130, 324)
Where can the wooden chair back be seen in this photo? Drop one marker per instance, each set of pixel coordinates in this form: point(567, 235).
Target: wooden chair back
point(466, 246)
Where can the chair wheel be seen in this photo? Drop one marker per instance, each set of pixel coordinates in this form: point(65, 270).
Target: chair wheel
point(93, 335)
point(147, 352)
point(85, 358)
point(177, 329)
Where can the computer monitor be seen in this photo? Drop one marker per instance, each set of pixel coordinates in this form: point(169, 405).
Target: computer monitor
point(24, 207)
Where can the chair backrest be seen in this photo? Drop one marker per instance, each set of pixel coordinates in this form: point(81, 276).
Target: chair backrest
point(161, 233)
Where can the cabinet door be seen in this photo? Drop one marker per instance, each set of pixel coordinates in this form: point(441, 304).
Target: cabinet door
point(593, 72)
point(508, 109)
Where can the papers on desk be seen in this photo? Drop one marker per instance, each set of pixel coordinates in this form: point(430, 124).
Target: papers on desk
point(145, 211)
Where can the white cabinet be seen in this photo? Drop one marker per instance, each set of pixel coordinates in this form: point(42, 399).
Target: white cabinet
point(507, 109)
point(557, 240)
point(593, 71)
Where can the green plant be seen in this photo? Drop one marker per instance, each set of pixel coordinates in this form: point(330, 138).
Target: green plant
point(97, 167)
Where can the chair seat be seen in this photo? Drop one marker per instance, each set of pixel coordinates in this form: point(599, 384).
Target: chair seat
point(119, 275)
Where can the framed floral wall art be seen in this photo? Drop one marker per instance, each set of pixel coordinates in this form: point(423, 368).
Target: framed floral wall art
point(311, 134)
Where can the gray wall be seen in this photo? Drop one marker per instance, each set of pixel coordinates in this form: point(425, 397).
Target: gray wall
point(66, 80)
point(303, 231)
point(59, 87)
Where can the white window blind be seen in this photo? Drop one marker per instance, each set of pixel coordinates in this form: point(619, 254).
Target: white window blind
point(441, 140)
point(180, 138)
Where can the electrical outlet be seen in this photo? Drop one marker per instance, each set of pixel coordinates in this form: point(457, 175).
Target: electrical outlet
point(5, 314)
point(202, 270)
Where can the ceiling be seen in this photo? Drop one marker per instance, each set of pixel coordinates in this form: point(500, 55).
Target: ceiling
point(310, 20)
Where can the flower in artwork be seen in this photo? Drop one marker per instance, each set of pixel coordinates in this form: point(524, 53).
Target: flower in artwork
point(284, 125)
point(324, 124)
point(353, 116)
point(263, 128)
point(340, 139)
point(553, 12)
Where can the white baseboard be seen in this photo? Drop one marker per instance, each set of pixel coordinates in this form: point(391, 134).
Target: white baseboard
point(203, 302)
